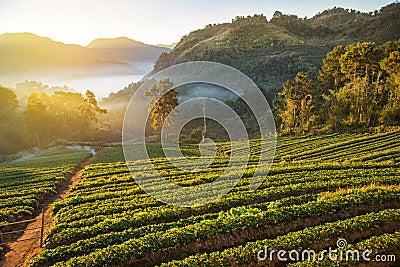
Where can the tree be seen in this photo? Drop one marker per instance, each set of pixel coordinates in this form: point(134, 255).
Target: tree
point(8, 103)
point(277, 14)
point(358, 102)
point(66, 115)
point(331, 76)
point(9, 137)
point(391, 111)
point(90, 109)
point(36, 119)
point(162, 101)
point(360, 60)
point(297, 109)
point(353, 84)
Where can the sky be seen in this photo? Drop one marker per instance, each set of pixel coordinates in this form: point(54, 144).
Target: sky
point(150, 21)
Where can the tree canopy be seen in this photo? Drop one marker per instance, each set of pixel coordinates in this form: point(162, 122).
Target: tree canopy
point(162, 101)
point(358, 87)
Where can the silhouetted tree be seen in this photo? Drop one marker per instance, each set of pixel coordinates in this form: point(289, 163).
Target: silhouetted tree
point(36, 119)
point(90, 109)
point(162, 101)
point(9, 137)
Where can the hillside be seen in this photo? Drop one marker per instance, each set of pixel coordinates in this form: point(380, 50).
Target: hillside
point(27, 52)
point(271, 52)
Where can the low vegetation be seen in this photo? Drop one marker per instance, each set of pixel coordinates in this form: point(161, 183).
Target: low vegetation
point(26, 183)
point(320, 187)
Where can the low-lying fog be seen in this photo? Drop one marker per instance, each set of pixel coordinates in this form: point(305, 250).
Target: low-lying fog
point(101, 81)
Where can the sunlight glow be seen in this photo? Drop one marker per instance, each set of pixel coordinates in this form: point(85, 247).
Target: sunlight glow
point(152, 22)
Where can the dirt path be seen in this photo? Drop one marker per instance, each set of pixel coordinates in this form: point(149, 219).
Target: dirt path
point(22, 252)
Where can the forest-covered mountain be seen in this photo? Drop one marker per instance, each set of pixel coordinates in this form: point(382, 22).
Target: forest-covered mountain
point(271, 52)
point(350, 88)
point(27, 52)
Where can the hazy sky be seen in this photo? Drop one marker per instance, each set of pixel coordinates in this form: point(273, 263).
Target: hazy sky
point(154, 22)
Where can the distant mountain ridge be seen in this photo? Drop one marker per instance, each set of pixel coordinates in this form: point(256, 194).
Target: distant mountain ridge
point(271, 52)
point(27, 52)
point(118, 42)
point(127, 50)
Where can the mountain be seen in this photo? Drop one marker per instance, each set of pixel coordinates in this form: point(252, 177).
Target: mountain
point(21, 52)
point(126, 50)
point(271, 52)
point(119, 42)
point(27, 52)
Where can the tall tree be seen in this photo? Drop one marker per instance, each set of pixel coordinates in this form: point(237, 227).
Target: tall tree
point(331, 76)
point(352, 84)
point(361, 60)
point(391, 65)
point(90, 109)
point(296, 104)
point(162, 101)
point(358, 102)
point(9, 137)
point(36, 119)
point(66, 114)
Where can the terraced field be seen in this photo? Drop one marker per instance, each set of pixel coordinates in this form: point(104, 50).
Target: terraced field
point(25, 183)
point(320, 189)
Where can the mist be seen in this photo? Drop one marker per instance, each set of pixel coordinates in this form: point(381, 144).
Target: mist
point(38, 153)
point(102, 81)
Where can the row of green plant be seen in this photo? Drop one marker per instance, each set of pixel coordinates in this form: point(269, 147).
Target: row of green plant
point(387, 245)
point(235, 219)
point(247, 254)
point(82, 215)
point(86, 246)
point(360, 149)
point(20, 191)
point(25, 182)
point(346, 146)
point(76, 209)
point(134, 249)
